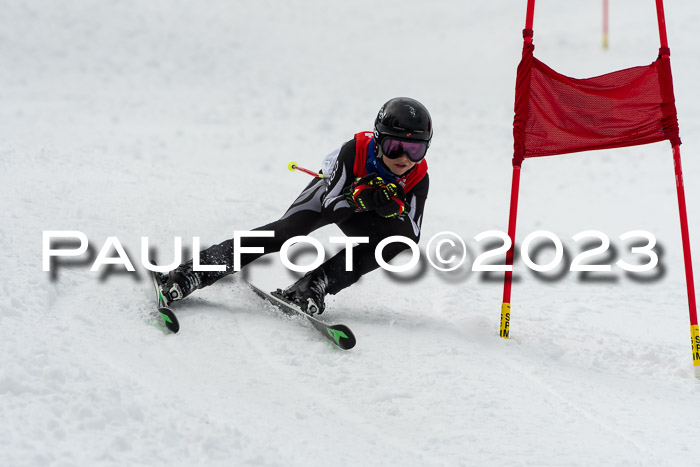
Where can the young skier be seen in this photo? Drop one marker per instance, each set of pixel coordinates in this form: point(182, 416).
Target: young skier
point(374, 186)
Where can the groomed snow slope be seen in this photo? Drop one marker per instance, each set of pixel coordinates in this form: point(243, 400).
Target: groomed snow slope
point(178, 118)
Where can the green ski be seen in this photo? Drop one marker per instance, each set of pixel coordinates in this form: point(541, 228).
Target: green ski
point(165, 313)
point(338, 334)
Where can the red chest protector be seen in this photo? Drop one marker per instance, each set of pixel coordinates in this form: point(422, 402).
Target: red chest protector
point(407, 182)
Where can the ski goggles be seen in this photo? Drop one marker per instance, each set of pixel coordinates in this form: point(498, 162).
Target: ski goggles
point(395, 148)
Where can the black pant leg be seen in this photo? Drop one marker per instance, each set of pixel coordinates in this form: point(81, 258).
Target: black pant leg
point(370, 225)
point(299, 223)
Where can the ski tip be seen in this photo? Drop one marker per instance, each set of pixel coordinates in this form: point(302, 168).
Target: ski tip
point(169, 319)
point(342, 336)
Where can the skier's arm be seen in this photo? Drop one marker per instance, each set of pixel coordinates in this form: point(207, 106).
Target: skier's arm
point(334, 206)
point(409, 224)
point(364, 259)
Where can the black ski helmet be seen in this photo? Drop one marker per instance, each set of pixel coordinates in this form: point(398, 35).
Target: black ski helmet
point(403, 118)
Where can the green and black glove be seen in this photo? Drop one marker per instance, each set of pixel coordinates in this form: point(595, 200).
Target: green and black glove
point(364, 192)
point(391, 201)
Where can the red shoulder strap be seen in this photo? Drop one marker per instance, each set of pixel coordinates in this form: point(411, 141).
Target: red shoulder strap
point(362, 141)
point(415, 176)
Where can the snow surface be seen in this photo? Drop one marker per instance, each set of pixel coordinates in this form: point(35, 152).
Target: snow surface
point(177, 118)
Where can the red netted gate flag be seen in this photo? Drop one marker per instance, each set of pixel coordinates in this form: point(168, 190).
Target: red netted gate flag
point(555, 114)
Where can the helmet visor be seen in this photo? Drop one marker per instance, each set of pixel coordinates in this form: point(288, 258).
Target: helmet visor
point(395, 148)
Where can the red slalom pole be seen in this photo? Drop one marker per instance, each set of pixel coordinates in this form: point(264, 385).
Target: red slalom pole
point(514, 192)
point(692, 305)
point(662, 23)
point(530, 15)
point(508, 281)
point(685, 235)
point(292, 166)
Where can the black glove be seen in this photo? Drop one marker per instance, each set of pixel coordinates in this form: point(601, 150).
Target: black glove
point(390, 201)
point(364, 192)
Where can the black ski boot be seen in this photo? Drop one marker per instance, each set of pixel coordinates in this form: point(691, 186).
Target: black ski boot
point(309, 292)
point(179, 283)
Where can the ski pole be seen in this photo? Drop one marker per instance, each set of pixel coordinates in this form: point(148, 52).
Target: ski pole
point(293, 166)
